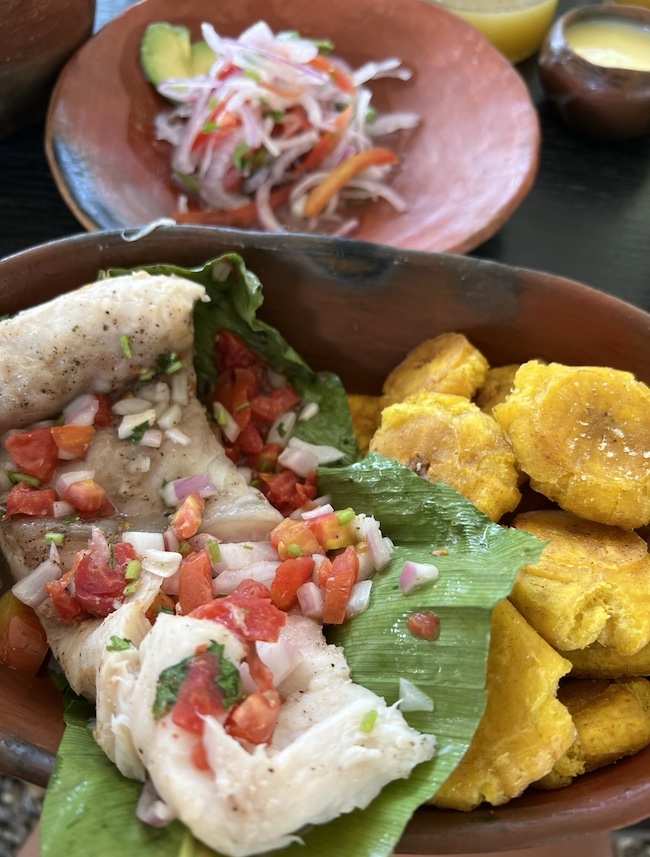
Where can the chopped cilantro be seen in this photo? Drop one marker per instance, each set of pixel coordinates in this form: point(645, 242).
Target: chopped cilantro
point(239, 156)
point(118, 644)
point(138, 432)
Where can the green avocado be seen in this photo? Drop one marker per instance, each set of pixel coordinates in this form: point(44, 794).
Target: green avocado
point(167, 52)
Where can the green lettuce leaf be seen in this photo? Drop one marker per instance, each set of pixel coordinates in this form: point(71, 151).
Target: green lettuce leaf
point(90, 806)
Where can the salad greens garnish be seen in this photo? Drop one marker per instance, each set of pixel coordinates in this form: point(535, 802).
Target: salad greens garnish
point(89, 803)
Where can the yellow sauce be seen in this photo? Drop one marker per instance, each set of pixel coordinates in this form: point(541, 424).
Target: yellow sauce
point(611, 43)
point(515, 27)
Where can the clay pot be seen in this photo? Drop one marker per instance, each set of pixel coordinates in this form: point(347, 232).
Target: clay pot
point(36, 39)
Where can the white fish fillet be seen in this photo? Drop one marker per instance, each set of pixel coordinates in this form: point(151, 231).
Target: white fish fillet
point(319, 765)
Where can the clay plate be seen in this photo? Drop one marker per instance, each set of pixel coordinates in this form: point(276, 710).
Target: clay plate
point(463, 172)
point(356, 308)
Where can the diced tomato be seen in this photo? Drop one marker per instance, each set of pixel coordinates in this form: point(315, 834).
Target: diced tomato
point(23, 642)
point(250, 588)
point(289, 577)
point(306, 491)
point(331, 534)
point(34, 452)
point(282, 490)
point(233, 454)
point(250, 441)
point(254, 720)
point(425, 624)
point(162, 603)
point(267, 460)
point(100, 576)
point(199, 696)
point(343, 576)
point(85, 495)
point(195, 582)
point(324, 571)
point(37, 502)
point(104, 415)
point(199, 756)
point(73, 440)
point(251, 617)
point(231, 352)
point(291, 532)
point(68, 607)
point(187, 518)
point(269, 407)
point(245, 388)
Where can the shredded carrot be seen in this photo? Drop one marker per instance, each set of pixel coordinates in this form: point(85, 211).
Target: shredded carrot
point(246, 215)
point(319, 197)
point(339, 77)
point(326, 144)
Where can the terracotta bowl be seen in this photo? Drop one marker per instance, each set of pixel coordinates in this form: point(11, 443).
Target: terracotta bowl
point(463, 171)
point(36, 40)
point(609, 103)
point(356, 308)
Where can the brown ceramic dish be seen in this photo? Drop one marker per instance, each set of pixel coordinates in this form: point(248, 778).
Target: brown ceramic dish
point(356, 308)
point(610, 103)
point(463, 172)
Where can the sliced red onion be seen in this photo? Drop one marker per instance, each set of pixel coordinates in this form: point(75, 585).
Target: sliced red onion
point(170, 417)
point(311, 599)
point(282, 428)
point(411, 698)
point(131, 405)
point(261, 572)
point(131, 422)
point(162, 563)
point(176, 491)
point(310, 410)
point(301, 461)
point(81, 411)
point(324, 454)
point(281, 658)
point(225, 422)
point(177, 436)
point(144, 541)
point(416, 574)
point(170, 585)
point(69, 477)
point(359, 598)
point(325, 509)
point(379, 548)
point(31, 589)
point(151, 809)
point(170, 541)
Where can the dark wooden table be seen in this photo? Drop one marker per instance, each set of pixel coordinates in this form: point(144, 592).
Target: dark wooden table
point(587, 217)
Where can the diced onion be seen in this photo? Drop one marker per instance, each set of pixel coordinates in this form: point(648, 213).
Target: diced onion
point(309, 411)
point(177, 436)
point(325, 454)
point(301, 461)
point(261, 572)
point(359, 598)
point(171, 417)
point(68, 478)
point(31, 589)
point(311, 599)
point(225, 422)
point(81, 411)
point(132, 421)
point(281, 658)
point(63, 509)
point(180, 389)
point(162, 563)
point(379, 548)
point(325, 509)
point(176, 491)
point(151, 438)
point(130, 405)
point(282, 428)
point(411, 698)
point(416, 574)
point(144, 541)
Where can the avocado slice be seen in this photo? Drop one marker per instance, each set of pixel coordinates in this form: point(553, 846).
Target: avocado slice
point(203, 58)
point(167, 52)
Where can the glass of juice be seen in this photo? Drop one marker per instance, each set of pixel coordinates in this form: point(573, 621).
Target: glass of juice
point(516, 27)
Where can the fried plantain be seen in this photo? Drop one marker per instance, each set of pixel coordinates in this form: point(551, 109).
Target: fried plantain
point(582, 434)
point(612, 719)
point(591, 584)
point(449, 363)
point(524, 730)
point(495, 388)
point(598, 661)
point(366, 416)
point(448, 439)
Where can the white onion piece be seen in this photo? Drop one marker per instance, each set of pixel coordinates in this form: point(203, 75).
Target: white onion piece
point(66, 456)
point(162, 563)
point(31, 589)
point(416, 574)
point(144, 541)
point(176, 491)
point(225, 422)
point(151, 809)
point(81, 411)
point(379, 548)
point(170, 417)
point(177, 436)
point(411, 698)
point(282, 429)
point(281, 658)
point(301, 461)
point(154, 391)
point(180, 393)
point(309, 411)
point(68, 478)
point(130, 422)
point(151, 438)
point(235, 555)
point(325, 509)
point(260, 572)
point(63, 509)
point(311, 599)
point(359, 598)
point(324, 454)
point(366, 565)
point(130, 405)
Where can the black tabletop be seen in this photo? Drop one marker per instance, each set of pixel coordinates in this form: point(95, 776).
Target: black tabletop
point(587, 216)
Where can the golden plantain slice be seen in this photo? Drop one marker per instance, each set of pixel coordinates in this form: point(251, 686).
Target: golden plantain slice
point(591, 584)
point(449, 363)
point(612, 719)
point(582, 434)
point(598, 661)
point(498, 383)
point(366, 416)
point(524, 730)
point(448, 439)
